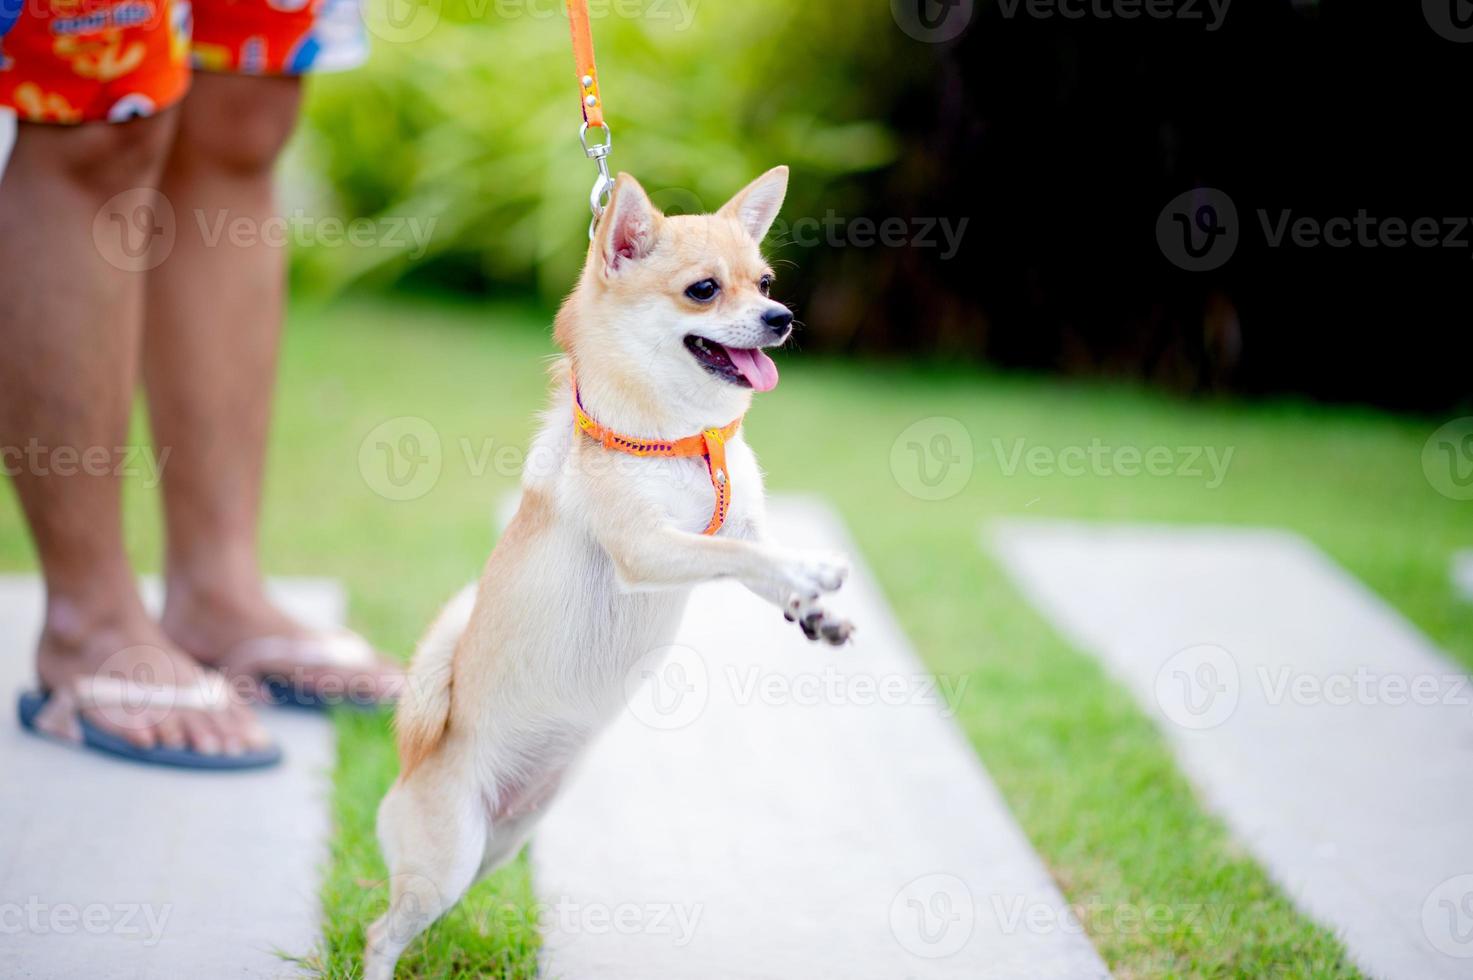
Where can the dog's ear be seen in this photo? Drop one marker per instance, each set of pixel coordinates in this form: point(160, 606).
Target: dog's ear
point(757, 205)
point(629, 228)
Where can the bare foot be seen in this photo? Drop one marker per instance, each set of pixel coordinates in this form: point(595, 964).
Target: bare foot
point(241, 633)
point(169, 699)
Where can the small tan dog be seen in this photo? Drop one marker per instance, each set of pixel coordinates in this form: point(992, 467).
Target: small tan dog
point(642, 488)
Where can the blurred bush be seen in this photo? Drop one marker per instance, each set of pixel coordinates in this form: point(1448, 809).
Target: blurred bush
point(1049, 145)
point(474, 125)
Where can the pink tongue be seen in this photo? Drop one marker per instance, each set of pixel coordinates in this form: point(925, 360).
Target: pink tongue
point(755, 366)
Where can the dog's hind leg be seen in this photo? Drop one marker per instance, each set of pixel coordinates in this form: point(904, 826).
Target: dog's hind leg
point(519, 810)
point(505, 842)
point(433, 838)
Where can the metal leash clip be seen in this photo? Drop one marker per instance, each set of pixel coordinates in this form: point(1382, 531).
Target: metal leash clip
point(603, 185)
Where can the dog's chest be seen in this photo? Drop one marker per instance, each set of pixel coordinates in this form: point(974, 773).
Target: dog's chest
point(686, 491)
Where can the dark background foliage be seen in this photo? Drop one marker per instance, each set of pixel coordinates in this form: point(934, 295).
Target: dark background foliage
point(1058, 140)
point(1063, 140)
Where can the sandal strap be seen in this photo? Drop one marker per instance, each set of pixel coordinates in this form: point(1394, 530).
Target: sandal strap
point(60, 716)
point(332, 648)
point(210, 693)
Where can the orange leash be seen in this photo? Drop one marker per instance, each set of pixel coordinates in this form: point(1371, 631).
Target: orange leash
point(709, 445)
point(592, 101)
point(593, 109)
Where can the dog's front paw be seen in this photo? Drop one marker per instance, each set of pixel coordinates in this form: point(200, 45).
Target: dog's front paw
point(806, 576)
point(818, 624)
point(809, 574)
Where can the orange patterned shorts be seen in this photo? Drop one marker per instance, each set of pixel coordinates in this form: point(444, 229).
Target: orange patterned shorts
point(73, 61)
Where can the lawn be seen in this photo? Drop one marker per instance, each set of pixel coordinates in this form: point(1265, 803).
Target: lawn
point(1089, 778)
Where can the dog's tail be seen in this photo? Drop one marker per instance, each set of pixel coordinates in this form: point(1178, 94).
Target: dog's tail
point(424, 710)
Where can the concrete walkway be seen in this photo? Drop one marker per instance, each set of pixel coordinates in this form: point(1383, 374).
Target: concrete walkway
point(766, 808)
point(112, 869)
point(1333, 738)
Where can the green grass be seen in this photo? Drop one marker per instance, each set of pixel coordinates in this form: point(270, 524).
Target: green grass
point(1088, 776)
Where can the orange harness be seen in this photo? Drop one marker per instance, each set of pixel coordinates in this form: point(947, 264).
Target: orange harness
point(709, 445)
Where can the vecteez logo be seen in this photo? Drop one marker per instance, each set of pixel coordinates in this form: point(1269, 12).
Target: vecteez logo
point(135, 230)
point(1198, 688)
point(401, 459)
point(1198, 230)
point(1451, 19)
point(668, 688)
point(1447, 459)
point(932, 21)
point(934, 916)
point(933, 458)
point(1209, 13)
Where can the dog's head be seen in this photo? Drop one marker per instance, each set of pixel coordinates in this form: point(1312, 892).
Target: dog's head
point(673, 315)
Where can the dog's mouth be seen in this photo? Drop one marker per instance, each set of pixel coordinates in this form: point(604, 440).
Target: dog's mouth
point(745, 368)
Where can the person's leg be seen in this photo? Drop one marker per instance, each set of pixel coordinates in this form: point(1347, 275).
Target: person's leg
point(70, 323)
point(214, 320)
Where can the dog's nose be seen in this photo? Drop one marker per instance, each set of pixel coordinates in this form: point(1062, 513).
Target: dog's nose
point(778, 319)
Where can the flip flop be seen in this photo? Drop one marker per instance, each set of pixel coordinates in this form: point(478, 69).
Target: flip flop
point(58, 718)
point(340, 649)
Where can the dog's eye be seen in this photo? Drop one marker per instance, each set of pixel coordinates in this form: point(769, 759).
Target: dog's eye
point(704, 291)
point(765, 284)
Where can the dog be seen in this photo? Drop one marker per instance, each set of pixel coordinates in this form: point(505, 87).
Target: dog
point(644, 487)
